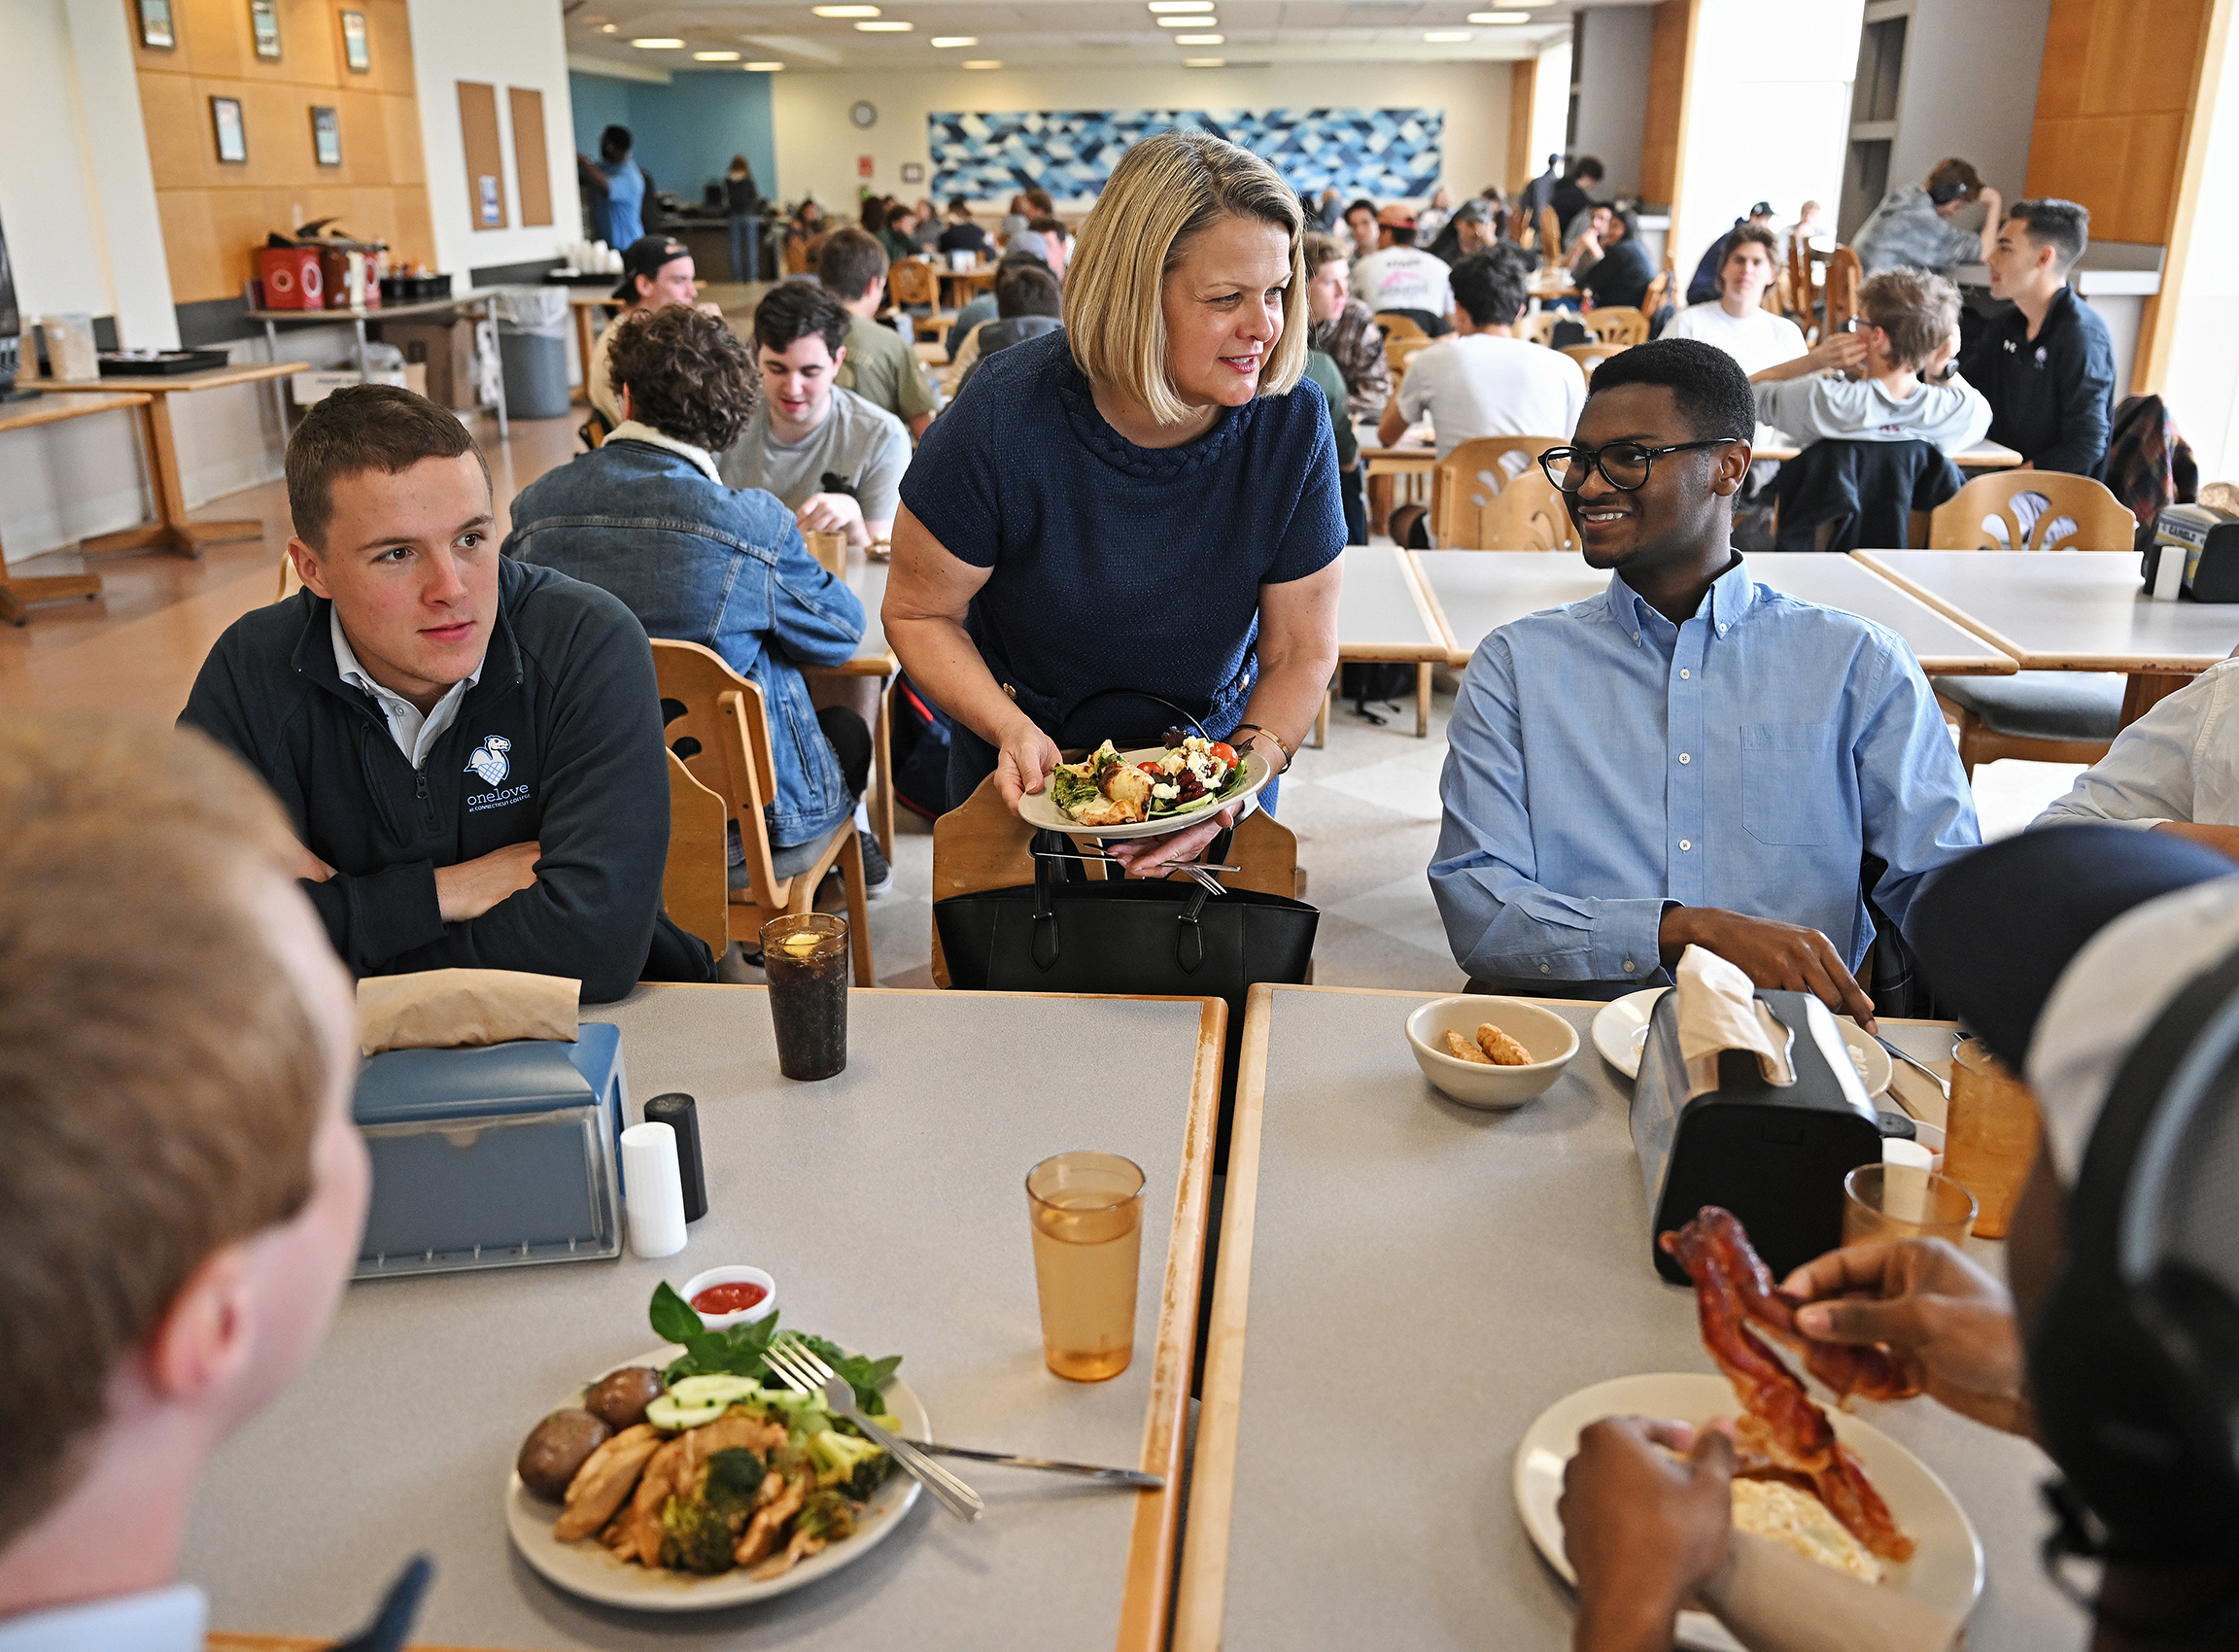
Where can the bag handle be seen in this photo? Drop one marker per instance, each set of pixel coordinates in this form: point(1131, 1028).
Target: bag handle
point(1078, 706)
point(1188, 925)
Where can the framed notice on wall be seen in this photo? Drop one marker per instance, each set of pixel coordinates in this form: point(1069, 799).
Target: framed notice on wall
point(232, 136)
point(327, 136)
point(155, 24)
point(265, 26)
point(356, 52)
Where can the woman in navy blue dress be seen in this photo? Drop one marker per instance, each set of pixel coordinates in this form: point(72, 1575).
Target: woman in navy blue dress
point(1146, 501)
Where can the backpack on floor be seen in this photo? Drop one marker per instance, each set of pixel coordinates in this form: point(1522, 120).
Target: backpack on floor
point(919, 751)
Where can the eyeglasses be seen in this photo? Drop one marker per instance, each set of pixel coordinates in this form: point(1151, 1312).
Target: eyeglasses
point(1624, 465)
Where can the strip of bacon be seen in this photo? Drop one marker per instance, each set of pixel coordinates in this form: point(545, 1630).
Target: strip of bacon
point(1790, 1428)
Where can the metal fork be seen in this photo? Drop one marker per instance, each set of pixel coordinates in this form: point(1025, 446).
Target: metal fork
point(806, 1373)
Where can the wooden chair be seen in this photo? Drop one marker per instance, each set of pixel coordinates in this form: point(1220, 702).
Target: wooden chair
point(1659, 294)
point(719, 726)
point(1540, 329)
point(1526, 515)
point(1401, 355)
point(980, 844)
point(2079, 514)
point(1592, 356)
point(1397, 327)
point(1520, 229)
point(1845, 276)
point(2041, 716)
point(1469, 478)
point(1550, 234)
point(912, 283)
point(1619, 324)
point(695, 889)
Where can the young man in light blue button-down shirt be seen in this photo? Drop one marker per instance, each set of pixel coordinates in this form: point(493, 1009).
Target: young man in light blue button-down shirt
point(1691, 757)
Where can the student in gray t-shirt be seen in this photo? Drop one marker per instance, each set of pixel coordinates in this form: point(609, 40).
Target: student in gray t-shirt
point(833, 459)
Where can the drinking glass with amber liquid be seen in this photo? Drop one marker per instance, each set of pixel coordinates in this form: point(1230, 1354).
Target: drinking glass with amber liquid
point(1990, 1134)
point(1087, 1215)
point(805, 961)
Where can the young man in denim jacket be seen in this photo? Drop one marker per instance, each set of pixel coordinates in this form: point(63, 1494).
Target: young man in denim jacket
point(647, 517)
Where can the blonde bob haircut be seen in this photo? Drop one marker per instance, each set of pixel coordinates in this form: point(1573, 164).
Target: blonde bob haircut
point(1163, 192)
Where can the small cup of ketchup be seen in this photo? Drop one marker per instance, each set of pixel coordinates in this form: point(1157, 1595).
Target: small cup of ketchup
point(731, 1296)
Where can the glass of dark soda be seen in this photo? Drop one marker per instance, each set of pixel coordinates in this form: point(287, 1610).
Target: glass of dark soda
point(805, 959)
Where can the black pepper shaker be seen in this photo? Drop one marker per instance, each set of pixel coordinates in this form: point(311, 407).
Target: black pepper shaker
point(681, 1114)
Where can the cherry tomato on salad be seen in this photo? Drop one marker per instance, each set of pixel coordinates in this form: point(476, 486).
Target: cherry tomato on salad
point(1224, 751)
point(1151, 768)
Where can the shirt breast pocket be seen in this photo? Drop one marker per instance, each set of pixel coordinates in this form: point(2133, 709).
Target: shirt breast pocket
point(1786, 769)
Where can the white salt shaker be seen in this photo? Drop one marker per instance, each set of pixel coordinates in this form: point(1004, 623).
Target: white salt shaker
point(653, 1191)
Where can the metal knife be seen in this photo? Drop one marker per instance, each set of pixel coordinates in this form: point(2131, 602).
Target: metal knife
point(1087, 1470)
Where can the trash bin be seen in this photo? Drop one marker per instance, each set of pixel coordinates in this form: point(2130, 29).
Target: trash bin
point(532, 350)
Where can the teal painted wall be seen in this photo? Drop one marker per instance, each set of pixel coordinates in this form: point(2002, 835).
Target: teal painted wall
point(686, 131)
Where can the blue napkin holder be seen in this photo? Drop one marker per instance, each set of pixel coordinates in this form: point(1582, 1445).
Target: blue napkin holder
point(1775, 1158)
point(497, 1156)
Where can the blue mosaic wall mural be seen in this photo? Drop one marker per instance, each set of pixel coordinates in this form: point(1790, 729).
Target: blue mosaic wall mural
point(1070, 151)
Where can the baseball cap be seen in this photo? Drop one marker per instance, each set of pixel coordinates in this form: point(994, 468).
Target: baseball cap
point(1398, 216)
point(1763, 209)
point(1472, 211)
point(644, 256)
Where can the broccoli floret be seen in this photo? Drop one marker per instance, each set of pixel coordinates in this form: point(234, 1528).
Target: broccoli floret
point(826, 1515)
point(1069, 789)
point(844, 1459)
point(701, 1527)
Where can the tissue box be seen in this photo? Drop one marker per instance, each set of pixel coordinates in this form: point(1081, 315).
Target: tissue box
point(493, 1157)
point(1774, 1158)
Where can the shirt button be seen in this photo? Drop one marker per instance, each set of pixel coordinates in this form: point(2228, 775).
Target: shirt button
point(1635, 636)
point(1721, 631)
point(1685, 844)
point(1684, 758)
point(1628, 966)
point(1683, 673)
point(1542, 969)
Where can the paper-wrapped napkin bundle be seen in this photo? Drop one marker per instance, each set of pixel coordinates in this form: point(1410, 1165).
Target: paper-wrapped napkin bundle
point(446, 1009)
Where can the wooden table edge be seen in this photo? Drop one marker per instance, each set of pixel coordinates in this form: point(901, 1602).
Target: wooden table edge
point(162, 384)
point(1456, 657)
point(31, 418)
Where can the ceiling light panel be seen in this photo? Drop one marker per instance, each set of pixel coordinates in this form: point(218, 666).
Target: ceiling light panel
point(651, 43)
point(1446, 37)
point(1204, 62)
point(983, 63)
point(945, 41)
point(1498, 17)
point(1166, 7)
point(1200, 40)
point(716, 56)
point(763, 68)
point(844, 11)
point(889, 27)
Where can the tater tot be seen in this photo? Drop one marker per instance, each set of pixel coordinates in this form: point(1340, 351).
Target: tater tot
point(1500, 1049)
point(1462, 1050)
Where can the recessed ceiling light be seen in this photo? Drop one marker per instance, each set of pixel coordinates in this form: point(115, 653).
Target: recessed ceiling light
point(1447, 37)
point(650, 43)
point(1161, 8)
point(1200, 40)
point(1499, 16)
point(982, 62)
point(605, 29)
point(948, 40)
point(886, 27)
point(763, 68)
point(1197, 21)
point(1204, 62)
point(716, 56)
point(844, 11)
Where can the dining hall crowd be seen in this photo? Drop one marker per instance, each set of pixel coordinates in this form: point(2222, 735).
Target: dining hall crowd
point(1136, 493)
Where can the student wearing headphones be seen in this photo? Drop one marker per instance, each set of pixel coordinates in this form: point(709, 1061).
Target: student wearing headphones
point(2105, 964)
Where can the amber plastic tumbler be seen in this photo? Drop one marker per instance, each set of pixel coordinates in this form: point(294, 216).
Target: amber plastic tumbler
point(1902, 1201)
point(1087, 1215)
point(1990, 1135)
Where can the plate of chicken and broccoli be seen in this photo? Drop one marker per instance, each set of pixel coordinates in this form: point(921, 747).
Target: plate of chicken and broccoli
point(679, 1481)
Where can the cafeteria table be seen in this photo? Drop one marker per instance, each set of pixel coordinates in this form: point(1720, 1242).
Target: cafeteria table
point(968, 281)
point(889, 1203)
point(2070, 611)
point(171, 531)
point(1476, 591)
point(17, 594)
point(1404, 1285)
point(484, 299)
point(1385, 615)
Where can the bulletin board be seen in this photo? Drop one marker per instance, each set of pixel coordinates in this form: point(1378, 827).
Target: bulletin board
point(530, 165)
point(485, 155)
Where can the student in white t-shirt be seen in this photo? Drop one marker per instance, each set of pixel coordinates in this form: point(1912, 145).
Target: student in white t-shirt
point(1486, 381)
point(1736, 320)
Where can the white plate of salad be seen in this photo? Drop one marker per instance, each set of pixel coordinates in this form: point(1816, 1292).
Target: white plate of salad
point(852, 1497)
point(1145, 793)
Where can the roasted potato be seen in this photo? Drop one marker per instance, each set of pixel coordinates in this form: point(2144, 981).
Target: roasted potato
point(619, 1399)
point(555, 1448)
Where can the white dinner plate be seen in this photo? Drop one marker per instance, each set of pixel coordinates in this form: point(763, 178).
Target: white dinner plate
point(1943, 1575)
point(1040, 809)
point(1620, 1028)
point(584, 1567)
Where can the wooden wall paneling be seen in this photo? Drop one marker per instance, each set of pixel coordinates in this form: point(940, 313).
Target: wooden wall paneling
point(364, 138)
point(389, 31)
point(310, 47)
point(190, 246)
point(155, 60)
point(2122, 129)
point(485, 153)
point(401, 120)
point(182, 142)
point(1523, 164)
point(530, 165)
point(1664, 118)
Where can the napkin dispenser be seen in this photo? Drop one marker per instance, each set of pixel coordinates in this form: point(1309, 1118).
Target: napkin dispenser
point(1775, 1158)
point(495, 1156)
point(2194, 553)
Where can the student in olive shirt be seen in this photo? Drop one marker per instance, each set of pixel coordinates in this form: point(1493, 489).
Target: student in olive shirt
point(881, 367)
point(2047, 366)
point(833, 457)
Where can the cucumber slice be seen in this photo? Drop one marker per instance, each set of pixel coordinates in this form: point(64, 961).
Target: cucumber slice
point(711, 1389)
point(668, 1412)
